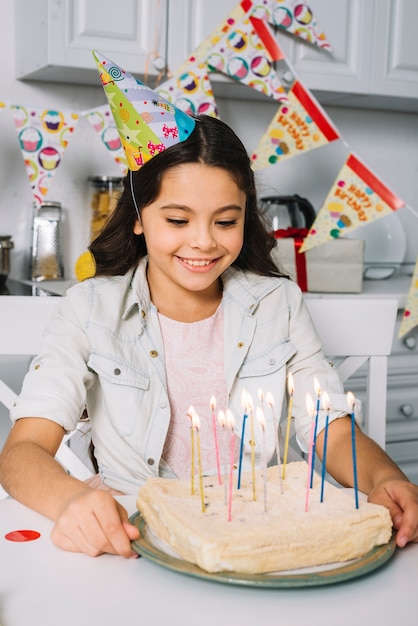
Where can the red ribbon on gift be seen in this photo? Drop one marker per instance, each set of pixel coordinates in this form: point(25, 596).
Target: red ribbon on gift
point(298, 235)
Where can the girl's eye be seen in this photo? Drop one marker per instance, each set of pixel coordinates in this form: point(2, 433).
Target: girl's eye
point(176, 222)
point(226, 223)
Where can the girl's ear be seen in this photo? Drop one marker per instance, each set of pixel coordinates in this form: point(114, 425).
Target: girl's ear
point(138, 230)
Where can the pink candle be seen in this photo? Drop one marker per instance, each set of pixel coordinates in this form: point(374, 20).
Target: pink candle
point(262, 423)
point(231, 424)
point(311, 411)
point(215, 436)
point(222, 424)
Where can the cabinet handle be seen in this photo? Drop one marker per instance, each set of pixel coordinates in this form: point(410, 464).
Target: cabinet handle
point(410, 342)
point(407, 410)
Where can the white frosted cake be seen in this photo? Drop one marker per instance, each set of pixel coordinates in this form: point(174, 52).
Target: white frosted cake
point(259, 538)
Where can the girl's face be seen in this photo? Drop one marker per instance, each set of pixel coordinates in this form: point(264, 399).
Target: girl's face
point(194, 231)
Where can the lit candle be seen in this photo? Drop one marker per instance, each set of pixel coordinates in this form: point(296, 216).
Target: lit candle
point(222, 424)
point(190, 413)
point(196, 427)
point(252, 443)
point(327, 407)
point(270, 402)
point(318, 404)
point(231, 424)
point(262, 422)
point(290, 390)
point(311, 411)
point(215, 436)
point(351, 403)
point(244, 404)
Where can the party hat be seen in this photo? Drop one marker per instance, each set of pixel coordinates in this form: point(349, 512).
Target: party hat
point(146, 122)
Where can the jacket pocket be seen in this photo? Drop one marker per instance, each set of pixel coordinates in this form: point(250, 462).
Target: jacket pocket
point(120, 389)
point(267, 361)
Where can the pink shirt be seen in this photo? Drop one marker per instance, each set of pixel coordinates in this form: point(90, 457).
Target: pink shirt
point(194, 359)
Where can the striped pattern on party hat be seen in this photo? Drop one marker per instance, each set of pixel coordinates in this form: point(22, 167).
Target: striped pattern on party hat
point(146, 122)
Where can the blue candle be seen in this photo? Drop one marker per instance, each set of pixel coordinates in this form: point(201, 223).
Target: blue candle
point(325, 404)
point(244, 401)
point(351, 400)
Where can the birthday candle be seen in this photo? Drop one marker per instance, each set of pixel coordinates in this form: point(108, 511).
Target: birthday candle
point(318, 401)
point(196, 426)
point(270, 402)
point(252, 443)
point(290, 389)
point(231, 424)
point(244, 405)
point(311, 411)
point(222, 424)
point(190, 413)
point(325, 405)
point(262, 422)
point(215, 436)
point(351, 402)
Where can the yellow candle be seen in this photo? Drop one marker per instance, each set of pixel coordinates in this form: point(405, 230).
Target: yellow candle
point(252, 443)
point(270, 402)
point(291, 389)
point(190, 413)
point(196, 427)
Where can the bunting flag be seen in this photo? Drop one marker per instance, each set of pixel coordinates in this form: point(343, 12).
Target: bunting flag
point(246, 52)
point(410, 314)
point(43, 137)
point(102, 121)
point(190, 90)
point(299, 125)
point(357, 197)
point(2, 105)
point(294, 17)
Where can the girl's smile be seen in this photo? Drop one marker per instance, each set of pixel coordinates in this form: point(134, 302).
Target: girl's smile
point(194, 231)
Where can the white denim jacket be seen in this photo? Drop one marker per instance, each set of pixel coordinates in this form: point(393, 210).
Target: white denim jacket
point(103, 350)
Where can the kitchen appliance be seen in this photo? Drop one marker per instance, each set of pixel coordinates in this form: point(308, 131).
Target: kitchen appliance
point(46, 262)
point(6, 244)
point(284, 212)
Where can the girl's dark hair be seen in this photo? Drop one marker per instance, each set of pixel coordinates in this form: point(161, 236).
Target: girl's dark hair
point(117, 249)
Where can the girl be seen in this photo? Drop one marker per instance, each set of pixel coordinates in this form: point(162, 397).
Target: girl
point(186, 303)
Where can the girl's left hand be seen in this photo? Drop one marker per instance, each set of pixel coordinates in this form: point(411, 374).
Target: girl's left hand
point(401, 498)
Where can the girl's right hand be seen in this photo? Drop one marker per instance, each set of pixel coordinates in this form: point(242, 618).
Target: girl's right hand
point(95, 523)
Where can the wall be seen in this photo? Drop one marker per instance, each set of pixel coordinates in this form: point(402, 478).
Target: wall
point(386, 141)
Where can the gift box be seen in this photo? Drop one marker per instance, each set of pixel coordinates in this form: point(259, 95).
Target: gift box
point(333, 267)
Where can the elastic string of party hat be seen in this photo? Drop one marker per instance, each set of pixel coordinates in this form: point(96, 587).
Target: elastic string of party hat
point(131, 184)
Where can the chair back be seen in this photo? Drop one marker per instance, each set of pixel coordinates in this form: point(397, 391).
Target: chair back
point(359, 331)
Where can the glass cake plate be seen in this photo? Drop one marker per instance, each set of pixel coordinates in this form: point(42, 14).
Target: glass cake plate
point(154, 550)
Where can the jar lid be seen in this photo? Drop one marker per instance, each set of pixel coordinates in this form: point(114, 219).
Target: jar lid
point(104, 181)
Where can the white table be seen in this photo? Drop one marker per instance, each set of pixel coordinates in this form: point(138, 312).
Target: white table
point(40, 584)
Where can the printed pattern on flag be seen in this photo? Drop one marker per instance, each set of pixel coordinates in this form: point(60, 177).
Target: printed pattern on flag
point(410, 314)
point(190, 89)
point(298, 126)
point(101, 120)
point(357, 197)
point(43, 137)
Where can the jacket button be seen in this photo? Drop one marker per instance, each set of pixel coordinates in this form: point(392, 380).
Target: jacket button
point(272, 361)
point(154, 354)
point(150, 461)
point(116, 371)
point(241, 344)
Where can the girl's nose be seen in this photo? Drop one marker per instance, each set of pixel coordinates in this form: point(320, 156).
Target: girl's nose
point(202, 238)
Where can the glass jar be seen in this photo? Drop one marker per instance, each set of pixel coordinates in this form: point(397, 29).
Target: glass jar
point(104, 194)
point(46, 260)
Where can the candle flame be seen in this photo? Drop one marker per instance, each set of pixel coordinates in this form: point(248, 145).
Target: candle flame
point(195, 421)
point(221, 419)
point(261, 395)
point(244, 403)
point(213, 403)
point(290, 384)
point(351, 400)
point(326, 404)
point(317, 386)
point(230, 419)
point(269, 399)
point(310, 405)
point(190, 412)
point(260, 417)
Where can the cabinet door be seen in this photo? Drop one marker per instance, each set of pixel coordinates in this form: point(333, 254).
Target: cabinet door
point(59, 36)
point(347, 25)
point(396, 53)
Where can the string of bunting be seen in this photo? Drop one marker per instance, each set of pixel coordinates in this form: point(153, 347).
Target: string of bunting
point(244, 48)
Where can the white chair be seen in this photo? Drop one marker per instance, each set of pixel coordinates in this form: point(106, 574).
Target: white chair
point(22, 321)
point(360, 330)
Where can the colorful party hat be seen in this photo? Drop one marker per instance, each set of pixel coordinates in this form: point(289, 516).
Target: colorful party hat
point(146, 122)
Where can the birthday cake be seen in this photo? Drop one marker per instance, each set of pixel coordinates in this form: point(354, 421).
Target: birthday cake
point(285, 527)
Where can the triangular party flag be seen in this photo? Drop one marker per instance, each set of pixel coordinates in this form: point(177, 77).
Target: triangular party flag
point(356, 198)
point(2, 105)
point(43, 137)
point(102, 121)
point(410, 314)
point(146, 122)
point(299, 125)
point(190, 89)
point(294, 17)
point(246, 52)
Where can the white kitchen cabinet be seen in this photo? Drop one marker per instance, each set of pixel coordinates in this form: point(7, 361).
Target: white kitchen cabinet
point(374, 59)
